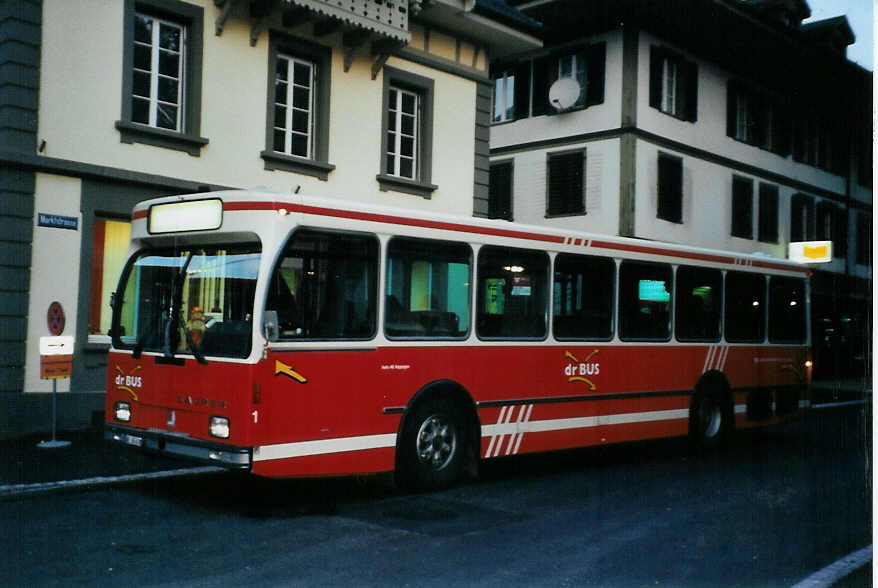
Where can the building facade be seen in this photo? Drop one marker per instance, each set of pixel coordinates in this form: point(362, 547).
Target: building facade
point(103, 104)
point(723, 124)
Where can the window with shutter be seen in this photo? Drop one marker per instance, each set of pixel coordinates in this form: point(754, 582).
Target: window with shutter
point(670, 188)
point(768, 213)
point(673, 85)
point(742, 207)
point(500, 191)
point(565, 183)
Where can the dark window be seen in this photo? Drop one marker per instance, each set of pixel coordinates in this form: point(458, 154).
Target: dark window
point(698, 306)
point(512, 293)
point(742, 207)
point(758, 118)
point(670, 188)
point(801, 218)
point(645, 301)
point(745, 308)
point(297, 135)
point(832, 226)
point(587, 66)
point(673, 84)
point(583, 297)
point(864, 239)
point(325, 286)
point(161, 76)
point(565, 185)
point(500, 191)
point(768, 213)
point(511, 89)
point(786, 310)
point(428, 288)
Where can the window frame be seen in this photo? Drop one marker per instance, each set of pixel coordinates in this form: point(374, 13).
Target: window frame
point(729, 318)
point(480, 291)
point(424, 87)
point(737, 200)
point(504, 213)
point(569, 202)
point(678, 304)
point(685, 84)
point(594, 259)
point(96, 275)
point(624, 303)
point(387, 289)
point(769, 213)
point(320, 57)
point(191, 19)
point(502, 79)
point(669, 206)
point(374, 285)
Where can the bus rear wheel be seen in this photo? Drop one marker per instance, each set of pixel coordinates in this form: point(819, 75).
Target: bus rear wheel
point(709, 421)
point(432, 446)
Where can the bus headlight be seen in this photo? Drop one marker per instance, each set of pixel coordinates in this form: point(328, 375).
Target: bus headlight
point(122, 411)
point(219, 427)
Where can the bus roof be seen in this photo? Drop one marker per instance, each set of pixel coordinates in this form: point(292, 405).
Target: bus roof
point(264, 200)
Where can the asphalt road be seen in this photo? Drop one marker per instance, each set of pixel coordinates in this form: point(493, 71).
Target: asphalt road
point(768, 511)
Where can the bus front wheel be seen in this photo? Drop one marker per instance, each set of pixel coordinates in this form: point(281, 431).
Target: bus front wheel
point(432, 447)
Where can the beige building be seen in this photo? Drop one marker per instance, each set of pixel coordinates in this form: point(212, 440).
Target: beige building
point(108, 103)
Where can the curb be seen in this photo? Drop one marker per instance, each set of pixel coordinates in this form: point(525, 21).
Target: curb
point(14, 490)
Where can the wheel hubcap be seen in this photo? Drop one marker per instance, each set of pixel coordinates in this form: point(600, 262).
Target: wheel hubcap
point(711, 418)
point(436, 442)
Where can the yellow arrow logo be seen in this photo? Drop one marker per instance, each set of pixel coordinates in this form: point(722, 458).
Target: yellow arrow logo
point(287, 370)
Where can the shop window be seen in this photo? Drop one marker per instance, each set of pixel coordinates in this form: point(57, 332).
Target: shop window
point(109, 246)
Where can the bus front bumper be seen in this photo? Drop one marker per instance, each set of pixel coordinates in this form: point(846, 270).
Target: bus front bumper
point(228, 456)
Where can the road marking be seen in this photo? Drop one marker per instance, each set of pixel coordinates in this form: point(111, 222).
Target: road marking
point(23, 489)
point(838, 570)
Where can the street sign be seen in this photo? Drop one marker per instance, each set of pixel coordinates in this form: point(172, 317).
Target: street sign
point(55, 318)
point(56, 357)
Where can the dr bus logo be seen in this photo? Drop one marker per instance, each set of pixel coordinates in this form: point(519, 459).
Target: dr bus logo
point(127, 382)
point(580, 371)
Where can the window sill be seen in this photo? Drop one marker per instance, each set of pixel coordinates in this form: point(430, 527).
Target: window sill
point(136, 133)
point(298, 165)
point(393, 183)
point(679, 117)
point(566, 214)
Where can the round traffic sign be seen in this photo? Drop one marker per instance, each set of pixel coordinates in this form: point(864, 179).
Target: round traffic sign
point(55, 318)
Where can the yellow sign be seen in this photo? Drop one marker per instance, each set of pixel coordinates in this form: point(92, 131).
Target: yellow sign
point(287, 370)
point(811, 251)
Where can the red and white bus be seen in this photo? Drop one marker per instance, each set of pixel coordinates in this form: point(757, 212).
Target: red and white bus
point(295, 336)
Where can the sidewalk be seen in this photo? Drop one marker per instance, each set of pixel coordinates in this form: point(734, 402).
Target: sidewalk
point(88, 456)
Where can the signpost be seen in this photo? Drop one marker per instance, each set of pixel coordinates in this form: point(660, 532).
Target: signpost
point(56, 361)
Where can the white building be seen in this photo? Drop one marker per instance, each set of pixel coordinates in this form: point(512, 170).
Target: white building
point(103, 104)
point(723, 124)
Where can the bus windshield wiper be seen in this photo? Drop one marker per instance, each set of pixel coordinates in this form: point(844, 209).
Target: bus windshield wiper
point(176, 301)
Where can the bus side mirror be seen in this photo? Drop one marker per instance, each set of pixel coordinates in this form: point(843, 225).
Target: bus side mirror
point(270, 325)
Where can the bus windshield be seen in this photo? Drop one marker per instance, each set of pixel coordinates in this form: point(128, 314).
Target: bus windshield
point(195, 300)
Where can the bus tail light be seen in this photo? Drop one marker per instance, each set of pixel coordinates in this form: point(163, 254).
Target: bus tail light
point(122, 411)
point(219, 427)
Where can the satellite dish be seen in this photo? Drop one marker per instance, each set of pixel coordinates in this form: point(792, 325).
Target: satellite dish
point(564, 93)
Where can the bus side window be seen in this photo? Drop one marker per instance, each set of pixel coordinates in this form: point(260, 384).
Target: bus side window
point(325, 286)
point(583, 297)
point(786, 310)
point(512, 294)
point(645, 301)
point(698, 304)
point(745, 307)
point(427, 288)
